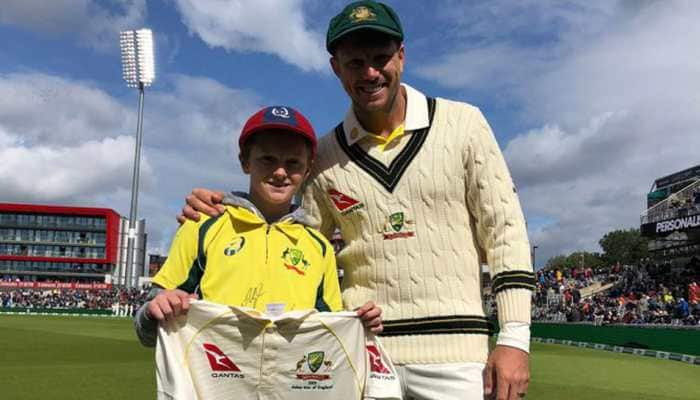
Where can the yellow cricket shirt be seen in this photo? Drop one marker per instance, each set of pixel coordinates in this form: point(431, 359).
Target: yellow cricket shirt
point(239, 259)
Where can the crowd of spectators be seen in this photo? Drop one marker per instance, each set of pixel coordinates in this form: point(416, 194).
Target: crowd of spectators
point(642, 294)
point(115, 299)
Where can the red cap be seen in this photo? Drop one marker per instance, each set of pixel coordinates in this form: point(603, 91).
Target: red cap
point(279, 118)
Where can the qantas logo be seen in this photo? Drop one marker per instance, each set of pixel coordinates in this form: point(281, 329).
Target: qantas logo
point(218, 361)
point(221, 365)
point(341, 201)
point(344, 203)
point(375, 360)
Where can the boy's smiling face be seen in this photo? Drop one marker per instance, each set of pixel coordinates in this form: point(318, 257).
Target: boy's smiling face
point(278, 162)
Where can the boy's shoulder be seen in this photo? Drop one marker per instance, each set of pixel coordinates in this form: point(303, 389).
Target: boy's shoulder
point(201, 227)
point(204, 220)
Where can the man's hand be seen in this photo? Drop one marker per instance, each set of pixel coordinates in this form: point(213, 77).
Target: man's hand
point(201, 200)
point(507, 374)
point(371, 316)
point(169, 304)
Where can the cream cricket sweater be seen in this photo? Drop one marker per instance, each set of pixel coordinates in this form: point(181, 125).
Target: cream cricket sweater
point(415, 220)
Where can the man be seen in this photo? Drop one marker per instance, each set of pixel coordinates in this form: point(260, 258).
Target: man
point(421, 195)
point(694, 293)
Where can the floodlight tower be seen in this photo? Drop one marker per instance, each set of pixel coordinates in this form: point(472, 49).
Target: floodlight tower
point(534, 256)
point(138, 68)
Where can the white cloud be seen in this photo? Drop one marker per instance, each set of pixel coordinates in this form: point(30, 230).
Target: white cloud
point(62, 140)
point(626, 107)
point(46, 109)
point(613, 96)
point(60, 173)
point(69, 142)
point(503, 44)
point(646, 63)
point(485, 68)
point(267, 26)
point(199, 112)
point(97, 23)
point(504, 20)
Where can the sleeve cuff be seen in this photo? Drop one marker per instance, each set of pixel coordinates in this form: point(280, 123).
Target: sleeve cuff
point(146, 328)
point(514, 305)
point(515, 334)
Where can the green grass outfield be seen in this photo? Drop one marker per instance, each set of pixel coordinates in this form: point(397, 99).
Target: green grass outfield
point(45, 357)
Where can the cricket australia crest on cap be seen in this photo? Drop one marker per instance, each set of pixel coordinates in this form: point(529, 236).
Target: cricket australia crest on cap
point(364, 14)
point(361, 14)
point(398, 226)
point(314, 372)
point(344, 203)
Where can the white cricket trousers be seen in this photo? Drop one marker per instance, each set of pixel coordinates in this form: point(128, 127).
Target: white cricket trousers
point(457, 381)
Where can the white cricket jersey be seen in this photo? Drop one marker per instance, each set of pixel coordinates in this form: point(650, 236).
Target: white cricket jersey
point(222, 352)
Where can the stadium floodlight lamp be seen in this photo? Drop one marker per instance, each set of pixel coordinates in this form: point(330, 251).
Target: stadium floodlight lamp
point(138, 70)
point(138, 65)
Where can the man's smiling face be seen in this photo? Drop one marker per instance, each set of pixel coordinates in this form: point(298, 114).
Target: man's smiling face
point(370, 73)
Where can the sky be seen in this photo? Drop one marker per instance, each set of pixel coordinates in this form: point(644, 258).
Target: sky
point(590, 101)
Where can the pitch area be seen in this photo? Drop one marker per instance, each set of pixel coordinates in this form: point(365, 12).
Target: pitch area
point(100, 358)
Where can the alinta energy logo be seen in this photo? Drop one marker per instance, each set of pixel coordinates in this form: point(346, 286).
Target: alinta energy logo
point(221, 365)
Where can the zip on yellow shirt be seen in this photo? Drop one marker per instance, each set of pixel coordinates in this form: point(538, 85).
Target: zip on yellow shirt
point(241, 260)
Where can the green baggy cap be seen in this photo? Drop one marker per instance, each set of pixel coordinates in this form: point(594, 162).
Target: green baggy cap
point(365, 14)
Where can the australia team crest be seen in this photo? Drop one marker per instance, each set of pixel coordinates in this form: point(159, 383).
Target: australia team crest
point(294, 260)
point(361, 14)
point(398, 226)
point(314, 371)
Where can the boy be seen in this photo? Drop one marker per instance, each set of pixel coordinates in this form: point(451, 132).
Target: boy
point(260, 253)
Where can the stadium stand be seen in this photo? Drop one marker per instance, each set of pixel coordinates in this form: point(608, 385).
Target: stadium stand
point(643, 294)
point(122, 302)
point(671, 220)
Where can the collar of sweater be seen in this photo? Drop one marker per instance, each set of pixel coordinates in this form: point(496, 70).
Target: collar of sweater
point(416, 117)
